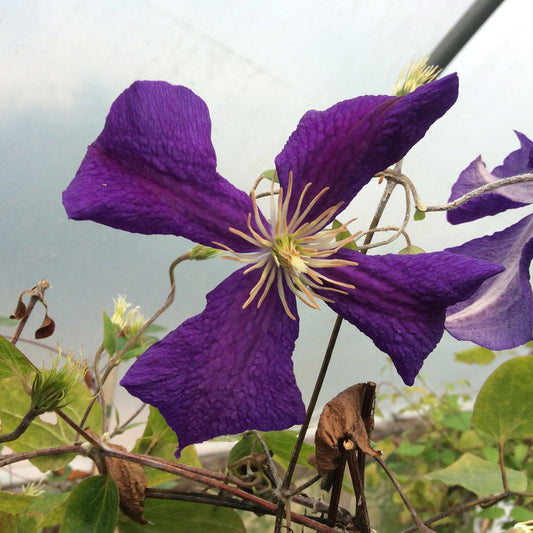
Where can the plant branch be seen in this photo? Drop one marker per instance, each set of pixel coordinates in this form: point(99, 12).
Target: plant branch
point(419, 524)
point(21, 428)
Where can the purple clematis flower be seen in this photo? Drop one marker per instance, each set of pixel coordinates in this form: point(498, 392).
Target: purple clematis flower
point(229, 369)
point(499, 315)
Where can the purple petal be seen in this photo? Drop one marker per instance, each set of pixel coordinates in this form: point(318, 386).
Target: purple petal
point(499, 315)
point(344, 146)
point(225, 370)
point(477, 175)
point(153, 170)
point(400, 301)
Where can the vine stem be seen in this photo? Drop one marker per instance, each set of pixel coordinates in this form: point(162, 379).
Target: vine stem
point(504, 182)
point(284, 489)
point(116, 358)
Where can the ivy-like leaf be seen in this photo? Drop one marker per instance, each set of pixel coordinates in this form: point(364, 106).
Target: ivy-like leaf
point(92, 507)
point(475, 356)
point(479, 476)
point(39, 435)
point(12, 359)
point(183, 517)
point(110, 336)
point(504, 404)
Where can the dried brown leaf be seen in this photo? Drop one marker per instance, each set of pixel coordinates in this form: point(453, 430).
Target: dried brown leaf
point(341, 427)
point(131, 482)
point(46, 329)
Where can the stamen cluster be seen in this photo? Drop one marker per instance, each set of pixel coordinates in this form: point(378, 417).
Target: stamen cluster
point(292, 253)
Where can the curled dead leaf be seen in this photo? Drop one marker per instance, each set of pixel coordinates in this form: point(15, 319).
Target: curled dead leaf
point(131, 483)
point(341, 427)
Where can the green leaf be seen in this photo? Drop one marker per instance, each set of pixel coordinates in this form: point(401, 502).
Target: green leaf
point(521, 514)
point(460, 421)
point(343, 235)
point(475, 356)
point(92, 507)
point(159, 440)
point(183, 517)
point(411, 250)
point(419, 215)
point(12, 359)
point(405, 449)
point(6, 321)
point(282, 443)
point(154, 328)
point(15, 503)
point(479, 476)
point(270, 175)
point(110, 335)
point(39, 435)
point(504, 403)
point(491, 512)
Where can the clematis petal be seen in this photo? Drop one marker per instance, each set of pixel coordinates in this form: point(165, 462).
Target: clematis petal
point(225, 370)
point(344, 146)
point(400, 301)
point(153, 170)
point(499, 315)
point(476, 175)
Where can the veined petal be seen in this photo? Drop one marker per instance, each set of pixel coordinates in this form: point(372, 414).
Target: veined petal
point(499, 315)
point(225, 370)
point(344, 146)
point(153, 170)
point(476, 175)
point(400, 301)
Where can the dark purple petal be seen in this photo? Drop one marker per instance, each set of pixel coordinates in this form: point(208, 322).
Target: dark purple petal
point(344, 146)
point(153, 170)
point(400, 301)
point(225, 370)
point(499, 315)
point(477, 175)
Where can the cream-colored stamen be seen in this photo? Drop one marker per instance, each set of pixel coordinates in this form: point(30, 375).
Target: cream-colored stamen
point(290, 251)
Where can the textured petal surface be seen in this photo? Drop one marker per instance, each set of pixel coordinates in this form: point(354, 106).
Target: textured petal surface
point(344, 146)
point(499, 315)
point(400, 301)
point(153, 170)
point(225, 370)
point(476, 175)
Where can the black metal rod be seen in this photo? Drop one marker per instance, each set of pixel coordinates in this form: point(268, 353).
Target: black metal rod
point(462, 32)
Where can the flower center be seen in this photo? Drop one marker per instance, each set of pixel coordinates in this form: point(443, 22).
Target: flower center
point(292, 253)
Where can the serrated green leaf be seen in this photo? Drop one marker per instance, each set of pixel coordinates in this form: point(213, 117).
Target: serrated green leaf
point(110, 335)
point(184, 517)
point(92, 507)
point(475, 356)
point(14, 405)
point(504, 404)
point(12, 359)
point(479, 476)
